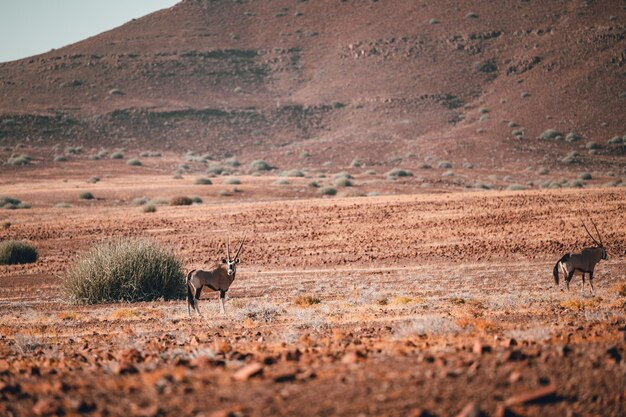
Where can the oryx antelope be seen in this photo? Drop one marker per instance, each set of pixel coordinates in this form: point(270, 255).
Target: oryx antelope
point(219, 278)
point(585, 261)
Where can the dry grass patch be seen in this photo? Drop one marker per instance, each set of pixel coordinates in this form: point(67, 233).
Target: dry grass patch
point(407, 300)
point(577, 304)
point(306, 300)
point(125, 314)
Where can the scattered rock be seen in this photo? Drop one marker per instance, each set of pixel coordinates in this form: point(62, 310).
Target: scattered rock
point(248, 371)
point(471, 410)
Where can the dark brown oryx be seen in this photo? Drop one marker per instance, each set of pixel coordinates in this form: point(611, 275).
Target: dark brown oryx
point(585, 261)
point(218, 278)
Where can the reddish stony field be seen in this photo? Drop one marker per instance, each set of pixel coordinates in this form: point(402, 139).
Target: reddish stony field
point(407, 303)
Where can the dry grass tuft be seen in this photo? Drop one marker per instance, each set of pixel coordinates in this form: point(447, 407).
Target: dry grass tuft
point(577, 304)
point(306, 300)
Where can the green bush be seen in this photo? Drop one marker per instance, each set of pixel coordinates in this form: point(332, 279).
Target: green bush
point(232, 181)
point(86, 195)
point(585, 176)
point(550, 134)
point(93, 180)
point(294, 173)
point(328, 191)
point(592, 145)
point(125, 271)
point(11, 203)
point(444, 165)
point(181, 201)
point(17, 252)
point(139, 201)
point(134, 162)
point(149, 208)
point(60, 158)
point(259, 165)
point(342, 182)
point(202, 181)
point(397, 172)
point(19, 160)
point(117, 155)
point(616, 140)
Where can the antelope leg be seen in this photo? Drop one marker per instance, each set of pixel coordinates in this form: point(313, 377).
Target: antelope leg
point(222, 296)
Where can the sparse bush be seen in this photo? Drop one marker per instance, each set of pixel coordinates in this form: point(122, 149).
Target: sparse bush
point(159, 201)
point(370, 172)
point(232, 181)
point(225, 193)
point(134, 162)
point(181, 201)
point(202, 181)
point(306, 300)
point(424, 166)
point(233, 162)
point(314, 184)
point(11, 203)
point(572, 137)
point(196, 199)
point(616, 140)
point(397, 172)
point(125, 271)
point(117, 155)
point(328, 191)
point(281, 182)
point(471, 15)
point(19, 160)
point(483, 186)
point(524, 94)
point(17, 252)
point(305, 155)
point(448, 174)
point(342, 182)
point(571, 158)
point(444, 165)
point(433, 21)
point(63, 205)
point(516, 187)
point(551, 134)
point(342, 174)
point(86, 195)
point(585, 176)
point(592, 145)
point(93, 180)
point(149, 208)
point(139, 201)
point(576, 184)
point(357, 163)
point(60, 158)
point(294, 173)
point(259, 165)
point(6, 225)
point(543, 171)
point(74, 150)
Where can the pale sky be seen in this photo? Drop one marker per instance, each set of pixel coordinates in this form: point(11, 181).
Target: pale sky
point(31, 27)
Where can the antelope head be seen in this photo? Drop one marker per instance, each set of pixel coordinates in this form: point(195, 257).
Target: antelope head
point(231, 263)
point(598, 242)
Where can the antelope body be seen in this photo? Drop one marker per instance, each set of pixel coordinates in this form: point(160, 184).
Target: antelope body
point(584, 262)
point(219, 278)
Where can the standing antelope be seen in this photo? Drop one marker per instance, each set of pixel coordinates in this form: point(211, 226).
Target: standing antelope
point(218, 278)
point(585, 261)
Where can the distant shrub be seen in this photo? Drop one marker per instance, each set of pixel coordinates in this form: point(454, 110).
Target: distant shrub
point(516, 187)
point(449, 173)
point(202, 181)
point(370, 172)
point(468, 165)
point(592, 145)
point(551, 134)
point(543, 171)
point(125, 271)
point(149, 208)
point(342, 174)
point(572, 137)
point(294, 173)
point(305, 155)
point(134, 162)
point(471, 15)
point(356, 163)
point(342, 182)
point(159, 201)
point(225, 193)
point(616, 140)
point(117, 155)
point(181, 201)
point(576, 184)
point(444, 165)
point(314, 184)
point(60, 158)
point(259, 165)
point(524, 94)
point(17, 252)
point(433, 21)
point(281, 181)
point(233, 162)
point(425, 166)
point(328, 191)
point(139, 201)
point(231, 181)
point(19, 160)
point(483, 186)
point(86, 195)
point(93, 180)
point(63, 205)
point(11, 203)
point(571, 158)
point(397, 172)
point(306, 300)
point(196, 199)
point(585, 176)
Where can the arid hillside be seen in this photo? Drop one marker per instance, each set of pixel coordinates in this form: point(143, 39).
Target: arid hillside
point(387, 82)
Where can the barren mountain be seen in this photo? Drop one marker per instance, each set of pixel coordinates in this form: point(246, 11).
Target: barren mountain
point(383, 81)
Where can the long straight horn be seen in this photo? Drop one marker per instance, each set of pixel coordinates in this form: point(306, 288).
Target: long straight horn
point(599, 236)
point(240, 246)
point(228, 248)
point(590, 235)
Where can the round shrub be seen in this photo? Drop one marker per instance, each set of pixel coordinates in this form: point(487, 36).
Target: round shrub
point(294, 173)
point(125, 271)
point(397, 172)
point(11, 203)
point(19, 160)
point(328, 191)
point(134, 162)
point(181, 201)
point(281, 182)
point(592, 145)
point(60, 158)
point(232, 181)
point(16, 252)
point(585, 176)
point(149, 208)
point(259, 165)
point(117, 155)
point(343, 182)
point(550, 134)
point(444, 165)
point(202, 181)
point(86, 195)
